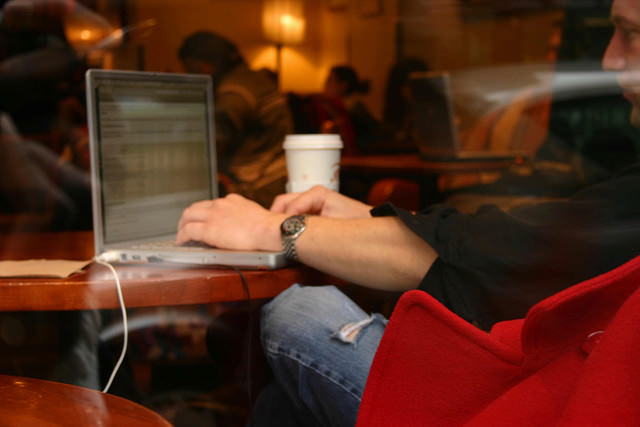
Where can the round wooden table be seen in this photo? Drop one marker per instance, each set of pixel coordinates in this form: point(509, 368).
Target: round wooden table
point(146, 285)
point(33, 402)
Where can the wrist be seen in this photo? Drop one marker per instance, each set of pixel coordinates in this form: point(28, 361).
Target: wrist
point(269, 232)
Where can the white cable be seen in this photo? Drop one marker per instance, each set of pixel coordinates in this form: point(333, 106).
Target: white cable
point(105, 259)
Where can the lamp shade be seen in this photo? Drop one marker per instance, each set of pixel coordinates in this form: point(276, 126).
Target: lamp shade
point(84, 28)
point(283, 21)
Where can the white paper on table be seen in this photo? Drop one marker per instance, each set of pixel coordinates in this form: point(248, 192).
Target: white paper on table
point(41, 268)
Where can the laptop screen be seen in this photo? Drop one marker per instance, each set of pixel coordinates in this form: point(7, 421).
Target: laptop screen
point(153, 151)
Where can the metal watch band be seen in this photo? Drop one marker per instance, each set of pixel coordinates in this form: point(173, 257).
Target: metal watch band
point(290, 249)
point(290, 230)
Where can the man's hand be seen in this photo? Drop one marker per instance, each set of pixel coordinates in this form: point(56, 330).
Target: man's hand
point(320, 201)
point(232, 222)
point(347, 243)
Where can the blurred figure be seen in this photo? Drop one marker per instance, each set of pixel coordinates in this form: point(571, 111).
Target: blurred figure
point(343, 110)
point(37, 189)
point(397, 113)
point(44, 180)
point(251, 117)
point(338, 109)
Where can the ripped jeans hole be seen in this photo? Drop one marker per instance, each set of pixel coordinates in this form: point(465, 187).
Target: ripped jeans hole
point(349, 332)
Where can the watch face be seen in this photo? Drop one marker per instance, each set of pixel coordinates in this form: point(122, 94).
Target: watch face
point(293, 224)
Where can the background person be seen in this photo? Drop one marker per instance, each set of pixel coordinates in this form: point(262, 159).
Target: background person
point(341, 109)
point(398, 109)
point(251, 117)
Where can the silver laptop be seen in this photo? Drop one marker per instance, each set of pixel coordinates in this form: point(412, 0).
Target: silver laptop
point(436, 132)
point(152, 155)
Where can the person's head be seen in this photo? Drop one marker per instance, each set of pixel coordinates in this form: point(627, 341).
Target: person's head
point(343, 81)
point(623, 53)
point(204, 52)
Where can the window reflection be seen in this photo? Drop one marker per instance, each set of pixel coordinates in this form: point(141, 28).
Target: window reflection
point(525, 76)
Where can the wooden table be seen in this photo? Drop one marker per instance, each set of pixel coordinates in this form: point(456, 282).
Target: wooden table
point(359, 173)
point(33, 402)
point(143, 285)
point(413, 165)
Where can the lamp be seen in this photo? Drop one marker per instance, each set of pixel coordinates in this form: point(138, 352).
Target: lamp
point(84, 29)
point(283, 23)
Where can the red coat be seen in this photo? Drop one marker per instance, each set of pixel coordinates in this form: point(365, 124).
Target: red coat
point(573, 360)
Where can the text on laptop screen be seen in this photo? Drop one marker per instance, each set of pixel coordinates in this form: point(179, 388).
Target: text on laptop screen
point(153, 143)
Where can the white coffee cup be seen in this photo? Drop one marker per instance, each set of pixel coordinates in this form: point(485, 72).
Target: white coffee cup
point(311, 160)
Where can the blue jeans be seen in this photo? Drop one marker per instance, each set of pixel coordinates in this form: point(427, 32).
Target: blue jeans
point(320, 346)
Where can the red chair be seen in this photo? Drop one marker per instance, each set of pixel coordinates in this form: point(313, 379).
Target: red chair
point(573, 360)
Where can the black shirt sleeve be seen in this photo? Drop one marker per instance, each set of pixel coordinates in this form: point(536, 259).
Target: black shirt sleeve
point(494, 265)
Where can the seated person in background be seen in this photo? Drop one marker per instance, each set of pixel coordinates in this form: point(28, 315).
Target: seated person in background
point(340, 109)
point(398, 115)
point(486, 267)
point(251, 117)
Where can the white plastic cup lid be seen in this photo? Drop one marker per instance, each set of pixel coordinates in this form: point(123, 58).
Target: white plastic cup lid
point(312, 141)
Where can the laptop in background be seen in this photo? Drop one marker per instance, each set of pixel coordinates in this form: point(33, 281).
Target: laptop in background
point(436, 132)
point(152, 147)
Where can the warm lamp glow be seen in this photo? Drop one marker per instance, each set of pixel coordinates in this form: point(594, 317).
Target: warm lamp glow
point(283, 21)
point(84, 28)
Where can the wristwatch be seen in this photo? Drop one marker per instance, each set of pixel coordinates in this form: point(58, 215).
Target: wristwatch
point(290, 229)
